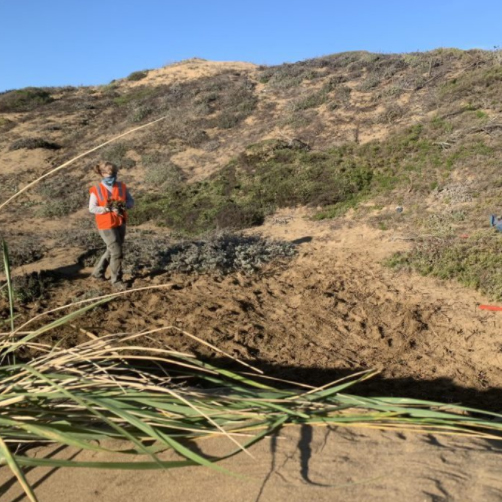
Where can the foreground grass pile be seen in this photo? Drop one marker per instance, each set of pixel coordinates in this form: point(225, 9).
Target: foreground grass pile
point(114, 388)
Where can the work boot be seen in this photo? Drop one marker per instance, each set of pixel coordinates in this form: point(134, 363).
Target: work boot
point(119, 286)
point(98, 277)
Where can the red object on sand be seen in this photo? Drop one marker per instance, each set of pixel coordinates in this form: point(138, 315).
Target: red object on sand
point(464, 236)
point(490, 307)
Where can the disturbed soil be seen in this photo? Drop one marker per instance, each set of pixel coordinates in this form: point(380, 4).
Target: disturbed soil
point(332, 310)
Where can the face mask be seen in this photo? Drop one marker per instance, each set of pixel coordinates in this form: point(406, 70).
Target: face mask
point(109, 180)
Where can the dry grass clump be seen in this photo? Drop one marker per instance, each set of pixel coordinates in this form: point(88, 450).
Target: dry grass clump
point(481, 86)
point(137, 75)
point(235, 100)
point(61, 196)
point(139, 113)
point(285, 76)
point(342, 95)
point(33, 143)
point(454, 193)
point(161, 172)
point(391, 114)
point(369, 83)
point(117, 154)
point(9, 184)
point(475, 261)
point(6, 124)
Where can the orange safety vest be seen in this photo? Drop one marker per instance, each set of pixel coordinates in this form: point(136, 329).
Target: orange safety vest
point(111, 219)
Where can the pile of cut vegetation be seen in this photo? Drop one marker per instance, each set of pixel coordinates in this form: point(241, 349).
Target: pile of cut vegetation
point(224, 254)
point(102, 390)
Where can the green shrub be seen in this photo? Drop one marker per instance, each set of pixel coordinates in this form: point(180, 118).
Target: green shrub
point(228, 120)
point(140, 113)
point(137, 75)
point(284, 76)
point(58, 208)
point(138, 95)
point(275, 174)
point(195, 209)
point(391, 113)
point(474, 262)
point(337, 210)
point(234, 100)
point(369, 83)
point(24, 100)
point(312, 100)
point(150, 207)
point(342, 94)
point(267, 176)
point(483, 82)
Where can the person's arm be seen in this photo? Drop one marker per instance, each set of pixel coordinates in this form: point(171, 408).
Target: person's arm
point(129, 200)
point(93, 206)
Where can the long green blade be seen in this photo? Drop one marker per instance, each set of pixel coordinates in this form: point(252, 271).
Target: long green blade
point(157, 434)
point(87, 405)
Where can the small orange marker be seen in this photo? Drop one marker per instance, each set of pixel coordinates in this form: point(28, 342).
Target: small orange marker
point(490, 307)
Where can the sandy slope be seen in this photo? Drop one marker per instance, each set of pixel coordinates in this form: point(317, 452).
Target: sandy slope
point(189, 69)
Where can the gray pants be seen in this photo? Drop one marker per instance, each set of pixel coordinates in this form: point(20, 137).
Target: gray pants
point(113, 256)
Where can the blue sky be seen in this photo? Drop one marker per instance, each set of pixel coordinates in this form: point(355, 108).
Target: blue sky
point(87, 42)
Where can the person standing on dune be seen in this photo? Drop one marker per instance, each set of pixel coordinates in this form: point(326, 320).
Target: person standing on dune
point(109, 201)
